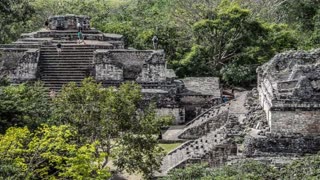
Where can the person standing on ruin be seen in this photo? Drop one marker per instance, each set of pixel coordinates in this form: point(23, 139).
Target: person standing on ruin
point(59, 46)
point(79, 26)
point(80, 38)
point(46, 24)
point(155, 42)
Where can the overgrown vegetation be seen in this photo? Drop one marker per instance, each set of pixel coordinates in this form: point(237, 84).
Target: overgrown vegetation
point(75, 134)
point(307, 168)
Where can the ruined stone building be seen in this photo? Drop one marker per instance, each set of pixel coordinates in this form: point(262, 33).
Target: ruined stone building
point(104, 57)
point(289, 91)
point(277, 122)
point(289, 94)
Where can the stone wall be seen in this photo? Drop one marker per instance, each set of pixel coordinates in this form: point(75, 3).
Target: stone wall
point(273, 145)
point(140, 66)
point(199, 100)
point(152, 73)
point(287, 122)
point(19, 65)
point(108, 72)
point(203, 85)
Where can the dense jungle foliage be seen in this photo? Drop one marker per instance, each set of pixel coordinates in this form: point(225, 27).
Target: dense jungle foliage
point(76, 134)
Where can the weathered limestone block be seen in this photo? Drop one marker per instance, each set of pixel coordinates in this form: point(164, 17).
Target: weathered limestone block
point(304, 122)
point(108, 72)
point(19, 66)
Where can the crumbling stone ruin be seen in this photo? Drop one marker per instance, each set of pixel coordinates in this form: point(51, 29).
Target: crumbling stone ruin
point(289, 93)
point(277, 122)
point(104, 56)
point(289, 90)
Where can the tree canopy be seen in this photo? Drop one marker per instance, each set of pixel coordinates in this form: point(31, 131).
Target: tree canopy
point(50, 152)
point(113, 117)
point(23, 105)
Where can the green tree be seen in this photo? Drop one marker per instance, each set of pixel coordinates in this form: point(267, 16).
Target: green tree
point(300, 15)
point(23, 105)
point(49, 153)
point(13, 15)
point(230, 37)
point(112, 116)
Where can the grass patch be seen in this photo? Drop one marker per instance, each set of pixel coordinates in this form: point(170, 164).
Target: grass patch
point(168, 147)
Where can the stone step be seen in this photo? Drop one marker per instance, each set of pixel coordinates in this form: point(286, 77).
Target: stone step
point(66, 34)
point(78, 46)
point(62, 73)
point(15, 46)
point(65, 53)
point(74, 45)
point(71, 49)
point(75, 58)
point(69, 61)
point(66, 64)
point(62, 78)
point(35, 39)
point(58, 84)
point(26, 43)
point(91, 30)
point(58, 80)
point(69, 55)
point(74, 67)
point(64, 68)
point(70, 77)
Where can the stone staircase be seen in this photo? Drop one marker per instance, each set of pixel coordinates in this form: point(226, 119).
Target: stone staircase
point(205, 122)
point(194, 150)
point(72, 65)
point(210, 132)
